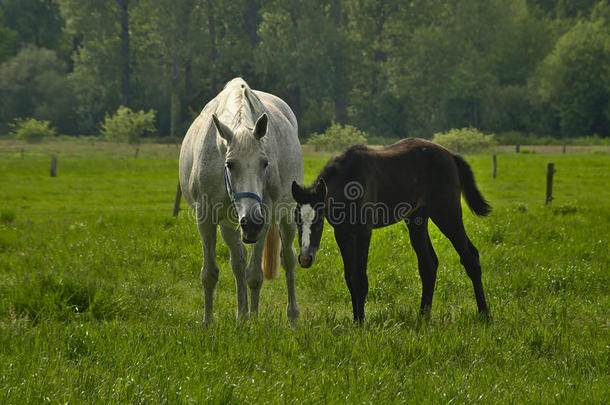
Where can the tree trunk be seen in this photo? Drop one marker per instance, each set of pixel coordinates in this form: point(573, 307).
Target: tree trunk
point(175, 107)
point(295, 101)
point(213, 51)
point(125, 68)
point(188, 81)
point(339, 96)
point(251, 22)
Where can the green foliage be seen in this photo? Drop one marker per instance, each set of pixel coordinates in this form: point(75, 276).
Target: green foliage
point(37, 22)
point(465, 140)
point(32, 130)
point(34, 84)
point(337, 137)
point(126, 125)
point(389, 69)
point(574, 79)
point(9, 43)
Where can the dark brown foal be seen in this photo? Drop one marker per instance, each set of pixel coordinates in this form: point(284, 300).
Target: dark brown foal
point(412, 180)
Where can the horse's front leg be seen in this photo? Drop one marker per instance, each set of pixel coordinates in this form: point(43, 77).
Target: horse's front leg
point(239, 257)
point(289, 262)
point(254, 271)
point(209, 270)
point(354, 246)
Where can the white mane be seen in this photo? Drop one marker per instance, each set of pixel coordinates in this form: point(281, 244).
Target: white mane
point(238, 105)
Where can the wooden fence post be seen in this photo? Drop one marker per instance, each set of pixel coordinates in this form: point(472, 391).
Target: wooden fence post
point(495, 169)
point(177, 200)
point(517, 147)
point(137, 151)
point(549, 183)
point(53, 166)
point(564, 148)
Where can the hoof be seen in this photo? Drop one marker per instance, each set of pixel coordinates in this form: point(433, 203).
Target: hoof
point(293, 312)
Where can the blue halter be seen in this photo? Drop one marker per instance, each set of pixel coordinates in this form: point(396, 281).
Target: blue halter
point(235, 196)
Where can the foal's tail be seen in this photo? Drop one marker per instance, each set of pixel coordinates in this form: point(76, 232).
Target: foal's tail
point(271, 253)
point(473, 196)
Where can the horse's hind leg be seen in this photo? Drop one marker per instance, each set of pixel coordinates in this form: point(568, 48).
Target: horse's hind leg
point(209, 270)
point(427, 261)
point(239, 257)
point(453, 228)
point(289, 262)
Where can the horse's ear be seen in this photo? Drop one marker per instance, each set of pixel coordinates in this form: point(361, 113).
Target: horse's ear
point(223, 130)
point(321, 190)
point(297, 192)
point(260, 129)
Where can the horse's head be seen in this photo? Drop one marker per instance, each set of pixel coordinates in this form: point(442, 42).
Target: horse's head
point(246, 174)
point(309, 216)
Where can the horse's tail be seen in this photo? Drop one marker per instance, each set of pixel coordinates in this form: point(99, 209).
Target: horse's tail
point(473, 196)
point(271, 253)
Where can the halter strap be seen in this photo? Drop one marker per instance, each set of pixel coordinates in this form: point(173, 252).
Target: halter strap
point(245, 194)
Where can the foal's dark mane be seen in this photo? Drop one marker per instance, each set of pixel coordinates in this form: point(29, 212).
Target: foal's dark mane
point(338, 164)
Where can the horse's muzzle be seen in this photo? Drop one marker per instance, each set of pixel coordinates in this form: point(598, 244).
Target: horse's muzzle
point(250, 230)
point(306, 259)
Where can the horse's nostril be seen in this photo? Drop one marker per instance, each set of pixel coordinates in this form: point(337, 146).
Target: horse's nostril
point(243, 221)
point(305, 260)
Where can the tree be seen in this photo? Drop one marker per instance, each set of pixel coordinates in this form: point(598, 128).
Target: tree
point(102, 29)
point(125, 54)
point(305, 55)
point(37, 22)
point(9, 43)
point(574, 79)
point(34, 84)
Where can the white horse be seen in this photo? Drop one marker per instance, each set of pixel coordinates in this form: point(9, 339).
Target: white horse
point(237, 163)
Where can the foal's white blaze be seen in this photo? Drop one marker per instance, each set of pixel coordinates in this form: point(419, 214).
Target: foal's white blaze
point(307, 216)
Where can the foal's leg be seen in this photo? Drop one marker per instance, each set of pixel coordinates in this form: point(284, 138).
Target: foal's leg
point(289, 262)
point(254, 271)
point(453, 228)
point(209, 270)
point(426, 259)
point(354, 246)
point(239, 256)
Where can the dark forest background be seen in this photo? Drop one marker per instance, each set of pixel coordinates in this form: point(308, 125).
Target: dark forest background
point(391, 68)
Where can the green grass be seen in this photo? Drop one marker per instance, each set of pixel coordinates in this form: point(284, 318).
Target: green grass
point(100, 299)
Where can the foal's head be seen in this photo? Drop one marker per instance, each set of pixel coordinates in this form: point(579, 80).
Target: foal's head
point(246, 173)
point(309, 216)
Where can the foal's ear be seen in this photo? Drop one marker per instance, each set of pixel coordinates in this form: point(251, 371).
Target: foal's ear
point(260, 129)
point(223, 130)
point(297, 192)
point(320, 190)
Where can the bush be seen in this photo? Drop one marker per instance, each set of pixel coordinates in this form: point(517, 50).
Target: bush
point(32, 130)
point(128, 126)
point(465, 140)
point(337, 137)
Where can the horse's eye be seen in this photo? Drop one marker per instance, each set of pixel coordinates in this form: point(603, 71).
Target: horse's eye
point(265, 163)
point(229, 164)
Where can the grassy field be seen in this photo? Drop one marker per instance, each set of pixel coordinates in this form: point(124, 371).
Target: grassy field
point(100, 299)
